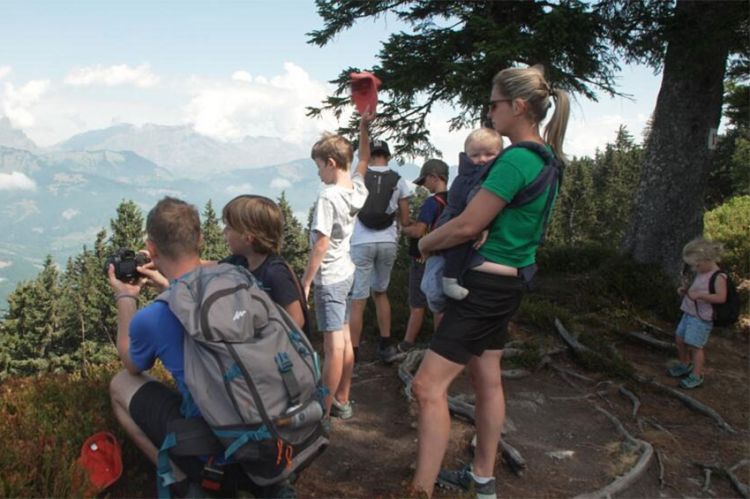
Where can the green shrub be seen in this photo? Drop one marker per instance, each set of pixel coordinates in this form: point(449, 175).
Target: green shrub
point(642, 285)
point(573, 259)
point(541, 313)
point(730, 225)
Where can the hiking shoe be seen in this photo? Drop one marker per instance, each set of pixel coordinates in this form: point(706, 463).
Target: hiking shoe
point(679, 370)
point(342, 411)
point(691, 381)
point(405, 347)
point(464, 481)
point(389, 354)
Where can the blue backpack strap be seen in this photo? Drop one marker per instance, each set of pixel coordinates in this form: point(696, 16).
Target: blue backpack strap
point(164, 475)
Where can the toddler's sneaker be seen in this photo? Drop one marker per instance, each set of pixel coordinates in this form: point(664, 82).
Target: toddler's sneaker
point(464, 480)
point(453, 289)
point(679, 370)
point(342, 411)
point(691, 381)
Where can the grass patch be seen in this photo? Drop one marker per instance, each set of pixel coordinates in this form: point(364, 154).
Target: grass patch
point(541, 313)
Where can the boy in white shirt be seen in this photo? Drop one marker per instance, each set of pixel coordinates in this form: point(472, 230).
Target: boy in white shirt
point(330, 266)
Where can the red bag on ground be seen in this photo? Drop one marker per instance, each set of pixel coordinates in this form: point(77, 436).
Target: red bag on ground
point(101, 458)
point(365, 87)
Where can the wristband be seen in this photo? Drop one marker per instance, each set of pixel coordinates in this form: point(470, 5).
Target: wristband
point(125, 295)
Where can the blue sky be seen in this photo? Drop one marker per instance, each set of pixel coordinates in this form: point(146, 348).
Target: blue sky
point(228, 68)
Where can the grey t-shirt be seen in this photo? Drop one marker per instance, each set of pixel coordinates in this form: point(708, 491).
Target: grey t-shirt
point(333, 216)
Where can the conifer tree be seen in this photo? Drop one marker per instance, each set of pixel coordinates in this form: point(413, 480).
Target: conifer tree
point(214, 245)
point(294, 246)
point(615, 180)
point(127, 227)
point(574, 214)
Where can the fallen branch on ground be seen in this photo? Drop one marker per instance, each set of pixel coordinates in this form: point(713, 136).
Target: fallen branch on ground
point(633, 398)
point(653, 327)
point(740, 487)
point(649, 340)
point(661, 470)
point(626, 480)
point(688, 401)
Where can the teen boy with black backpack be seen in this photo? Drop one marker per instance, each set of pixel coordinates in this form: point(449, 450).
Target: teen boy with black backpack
point(434, 177)
point(374, 244)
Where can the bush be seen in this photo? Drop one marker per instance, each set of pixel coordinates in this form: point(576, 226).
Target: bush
point(45, 421)
point(573, 259)
point(730, 225)
point(642, 285)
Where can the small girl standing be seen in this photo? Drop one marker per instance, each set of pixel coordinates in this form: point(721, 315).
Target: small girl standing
point(697, 319)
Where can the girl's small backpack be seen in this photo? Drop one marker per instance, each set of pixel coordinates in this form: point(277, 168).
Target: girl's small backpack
point(727, 313)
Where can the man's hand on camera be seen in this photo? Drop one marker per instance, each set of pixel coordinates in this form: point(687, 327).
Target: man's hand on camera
point(124, 288)
point(154, 278)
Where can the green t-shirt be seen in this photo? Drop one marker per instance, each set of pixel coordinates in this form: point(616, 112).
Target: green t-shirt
point(514, 234)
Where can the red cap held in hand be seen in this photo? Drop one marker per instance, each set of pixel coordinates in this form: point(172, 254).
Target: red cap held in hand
point(365, 87)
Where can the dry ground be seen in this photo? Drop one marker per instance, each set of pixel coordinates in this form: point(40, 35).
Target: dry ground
point(571, 448)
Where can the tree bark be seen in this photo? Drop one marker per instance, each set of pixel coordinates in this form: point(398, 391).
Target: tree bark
point(669, 201)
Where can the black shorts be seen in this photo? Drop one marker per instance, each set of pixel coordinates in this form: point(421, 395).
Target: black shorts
point(152, 407)
point(479, 322)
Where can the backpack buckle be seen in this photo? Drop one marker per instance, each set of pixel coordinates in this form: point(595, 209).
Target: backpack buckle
point(283, 362)
point(213, 476)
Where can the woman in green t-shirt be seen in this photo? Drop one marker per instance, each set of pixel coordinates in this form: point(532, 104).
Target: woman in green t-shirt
point(473, 330)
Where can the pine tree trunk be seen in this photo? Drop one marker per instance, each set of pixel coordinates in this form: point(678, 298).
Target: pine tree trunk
point(669, 202)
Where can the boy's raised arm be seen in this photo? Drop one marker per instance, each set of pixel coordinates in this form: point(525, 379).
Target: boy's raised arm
point(364, 143)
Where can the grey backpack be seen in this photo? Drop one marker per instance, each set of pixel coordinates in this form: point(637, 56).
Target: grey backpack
point(254, 376)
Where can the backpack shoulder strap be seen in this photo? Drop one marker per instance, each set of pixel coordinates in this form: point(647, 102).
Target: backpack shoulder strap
point(712, 280)
point(441, 198)
point(279, 260)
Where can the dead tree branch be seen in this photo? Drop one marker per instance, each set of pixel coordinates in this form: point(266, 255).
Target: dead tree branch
point(633, 398)
point(643, 337)
point(688, 401)
point(626, 480)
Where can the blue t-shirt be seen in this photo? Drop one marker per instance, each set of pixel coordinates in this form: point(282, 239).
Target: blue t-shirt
point(155, 333)
point(430, 211)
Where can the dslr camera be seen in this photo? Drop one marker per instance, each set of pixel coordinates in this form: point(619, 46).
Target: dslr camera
point(125, 261)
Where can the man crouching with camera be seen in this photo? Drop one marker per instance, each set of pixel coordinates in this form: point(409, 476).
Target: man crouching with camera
point(142, 405)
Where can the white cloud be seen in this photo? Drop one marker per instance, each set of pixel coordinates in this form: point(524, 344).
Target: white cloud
point(16, 181)
point(239, 189)
point(280, 183)
point(70, 213)
point(4, 71)
point(4, 264)
point(242, 76)
point(119, 74)
point(259, 106)
point(17, 103)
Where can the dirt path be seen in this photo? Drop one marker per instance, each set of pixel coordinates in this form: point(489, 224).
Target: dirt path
point(571, 448)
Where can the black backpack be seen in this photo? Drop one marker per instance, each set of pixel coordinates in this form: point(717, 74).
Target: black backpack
point(380, 187)
point(727, 313)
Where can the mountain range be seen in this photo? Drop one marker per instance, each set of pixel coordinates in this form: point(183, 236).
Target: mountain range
point(63, 195)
